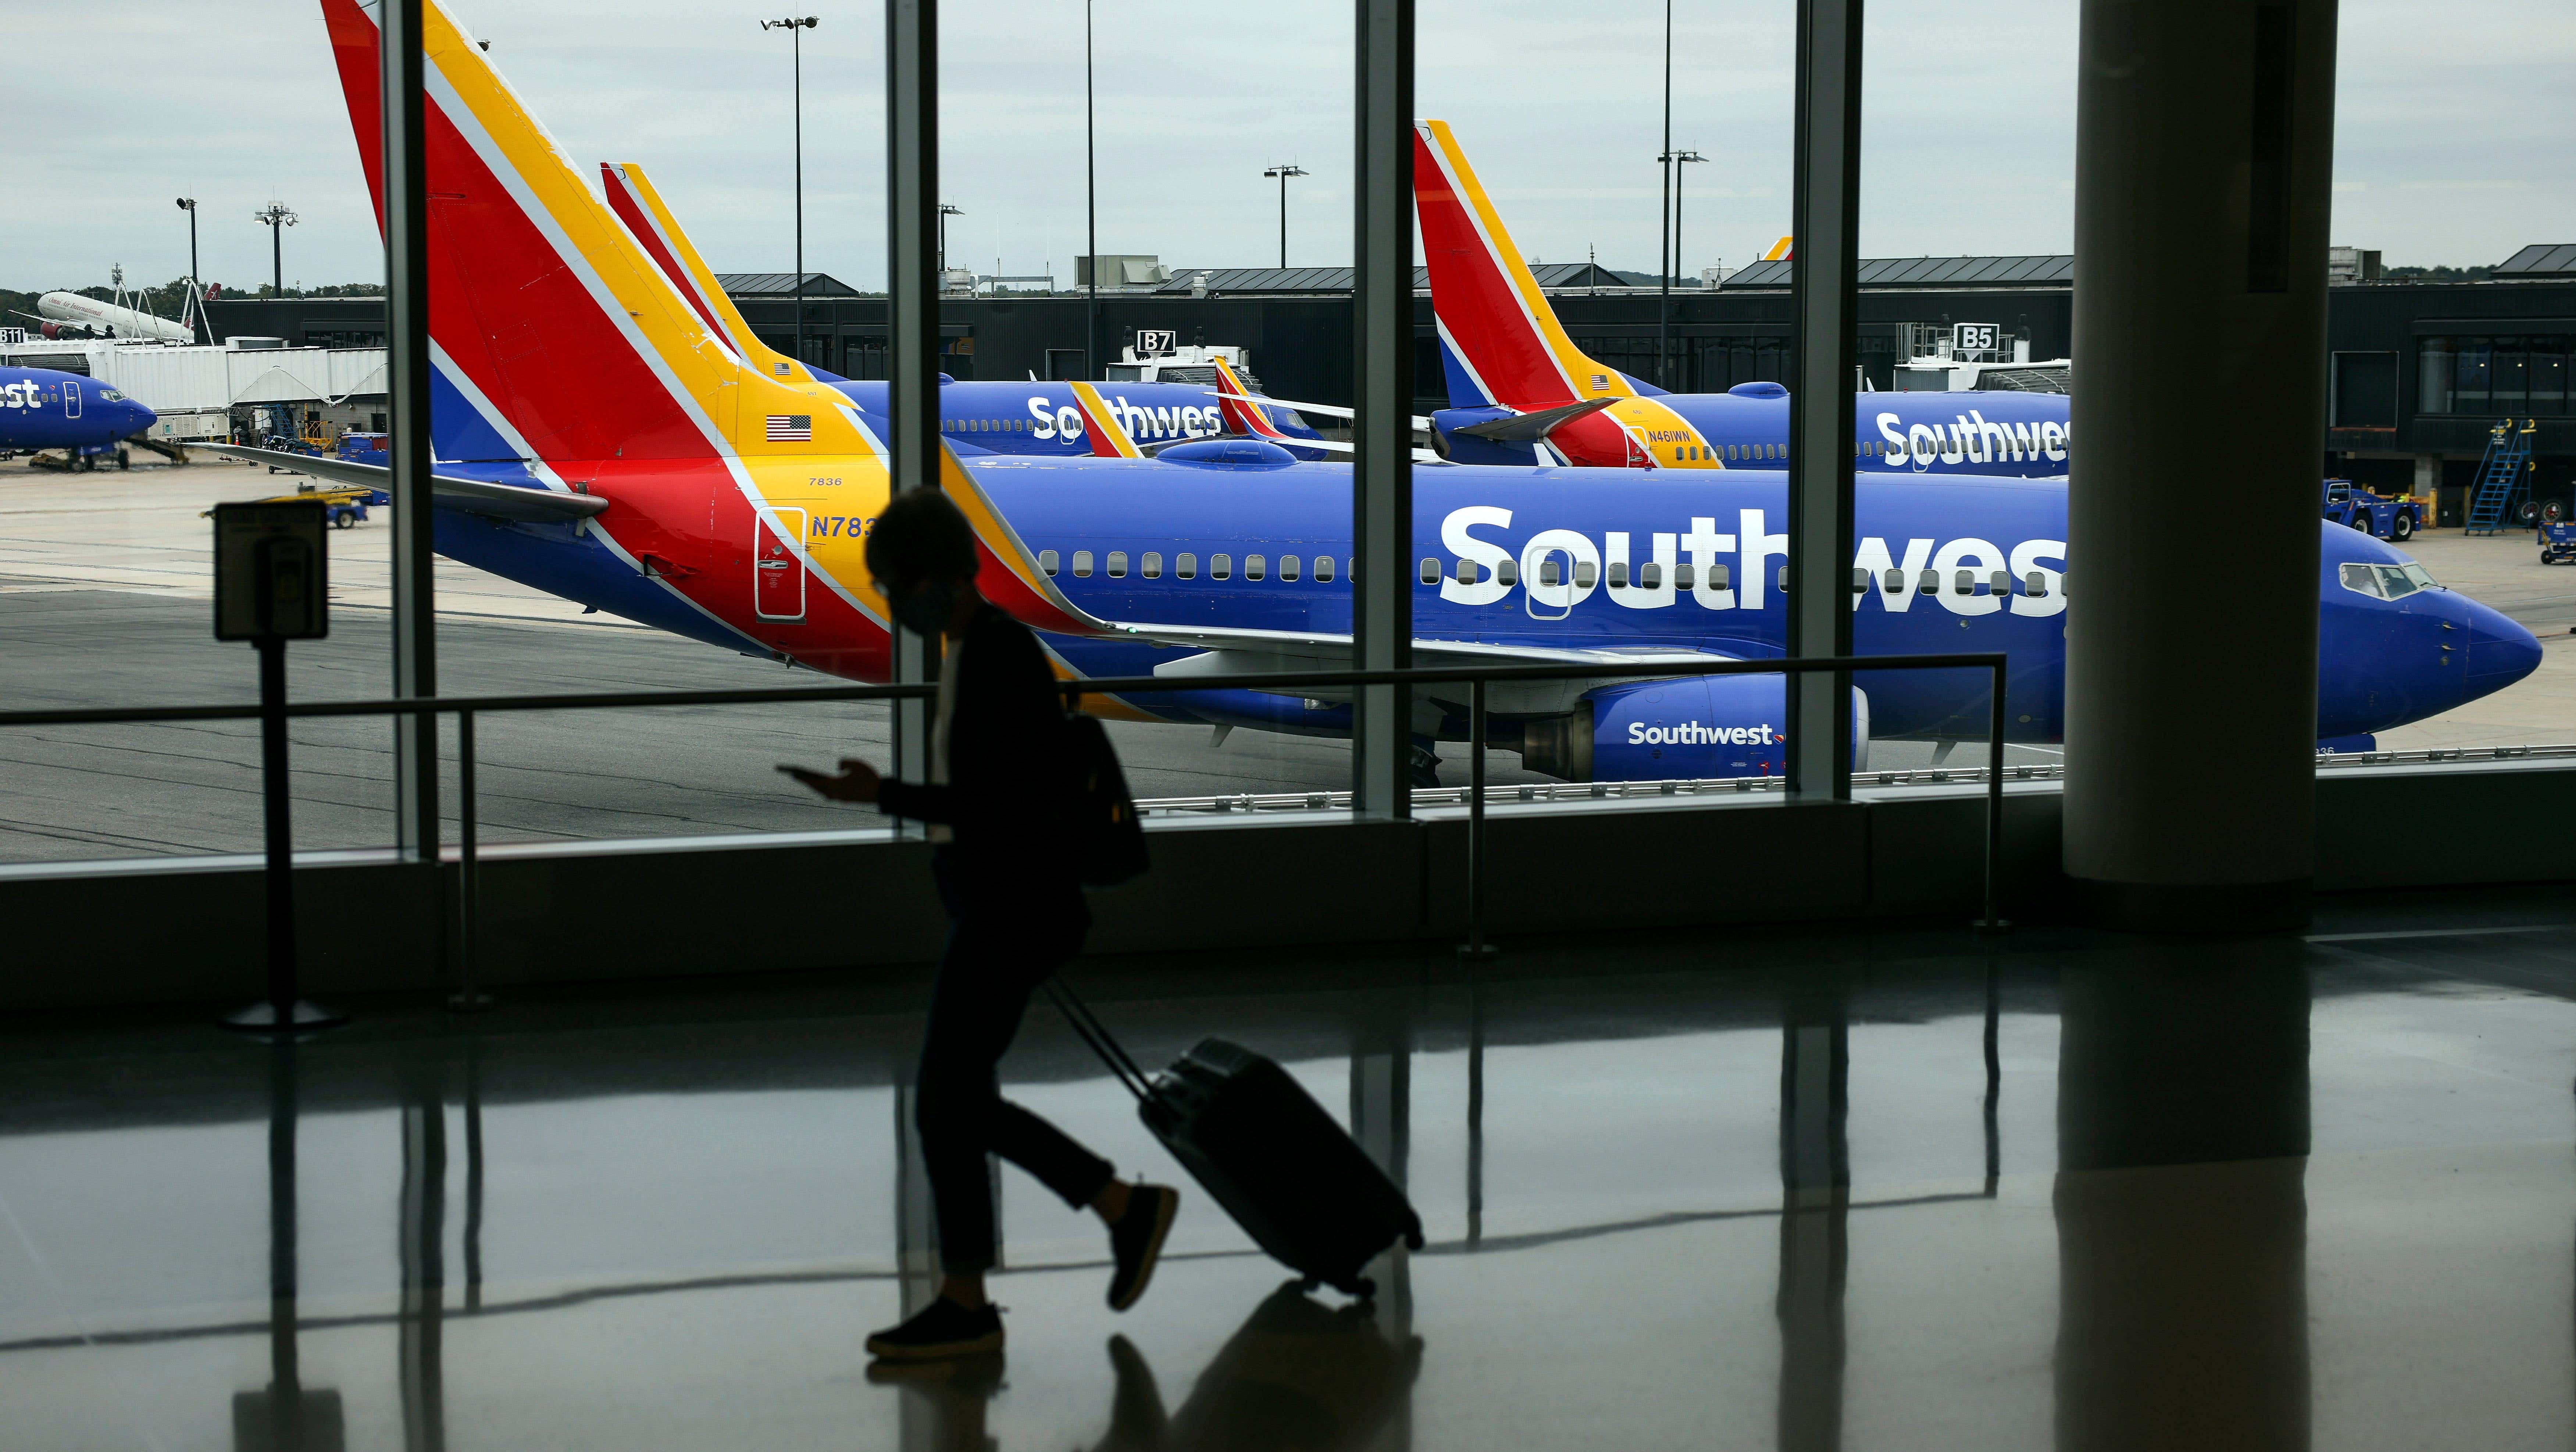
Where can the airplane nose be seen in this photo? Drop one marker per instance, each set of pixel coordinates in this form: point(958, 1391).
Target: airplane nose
point(2501, 652)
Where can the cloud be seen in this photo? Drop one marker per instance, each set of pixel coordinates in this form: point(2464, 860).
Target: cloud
point(1968, 128)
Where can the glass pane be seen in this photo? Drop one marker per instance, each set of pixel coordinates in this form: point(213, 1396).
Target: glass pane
point(2433, 370)
point(2548, 383)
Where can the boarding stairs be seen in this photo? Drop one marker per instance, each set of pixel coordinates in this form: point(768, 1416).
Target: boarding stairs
point(2504, 477)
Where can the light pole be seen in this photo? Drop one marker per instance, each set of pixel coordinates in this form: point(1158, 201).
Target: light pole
point(1283, 173)
point(796, 26)
point(1090, 212)
point(1664, 300)
point(189, 206)
point(1675, 161)
point(277, 218)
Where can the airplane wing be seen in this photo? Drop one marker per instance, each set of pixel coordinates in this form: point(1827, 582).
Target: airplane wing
point(1219, 651)
point(473, 496)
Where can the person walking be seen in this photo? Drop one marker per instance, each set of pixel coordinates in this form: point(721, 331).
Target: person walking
point(1015, 914)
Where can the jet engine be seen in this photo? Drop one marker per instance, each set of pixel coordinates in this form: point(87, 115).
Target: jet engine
point(1688, 728)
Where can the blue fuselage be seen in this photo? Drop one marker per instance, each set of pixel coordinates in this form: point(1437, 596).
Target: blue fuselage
point(1044, 420)
point(1992, 432)
point(44, 409)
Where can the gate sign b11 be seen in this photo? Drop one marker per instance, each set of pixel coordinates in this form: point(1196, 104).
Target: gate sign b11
point(1973, 338)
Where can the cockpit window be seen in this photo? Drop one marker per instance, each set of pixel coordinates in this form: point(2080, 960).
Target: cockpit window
point(2387, 582)
point(111, 395)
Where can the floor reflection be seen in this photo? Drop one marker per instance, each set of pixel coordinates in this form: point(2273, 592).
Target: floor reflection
point(2077, 1192)
point(2181, 1204)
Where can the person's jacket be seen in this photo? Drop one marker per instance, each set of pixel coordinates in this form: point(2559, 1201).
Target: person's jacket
point(1003, 802)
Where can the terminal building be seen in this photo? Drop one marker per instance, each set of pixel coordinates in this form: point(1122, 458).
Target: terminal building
point(2421, 371)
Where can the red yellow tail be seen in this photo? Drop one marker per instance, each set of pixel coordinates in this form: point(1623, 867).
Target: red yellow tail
point(1490, 309)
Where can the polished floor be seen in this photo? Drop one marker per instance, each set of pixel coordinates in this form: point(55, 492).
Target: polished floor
point(1898, 1189)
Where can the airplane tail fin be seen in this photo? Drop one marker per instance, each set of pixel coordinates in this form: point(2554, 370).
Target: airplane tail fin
point(1242, 415)
point(1108, 437)
point(657, 230)
point(554, 334)
point(1493, 318)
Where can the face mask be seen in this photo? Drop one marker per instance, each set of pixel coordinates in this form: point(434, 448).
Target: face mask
point(926, 611)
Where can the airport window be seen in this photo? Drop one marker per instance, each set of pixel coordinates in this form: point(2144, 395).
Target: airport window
point(1118, 564)
point(1288, 567)
point(1465, 572)
point(1431, 572)
point(1082, 564)
point(1153, 565)
point(1186, 566)
point(1220, 567)
point(1324, 569)
point(1255, 567)
point(2476, 375)
point(1047, 561)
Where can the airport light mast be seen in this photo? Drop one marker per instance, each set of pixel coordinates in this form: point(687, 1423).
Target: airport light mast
point(1090, 214)
point(945, 212)
point(189, 206)
point(1674, 162)
point(796, 26)
point(1283, 173)
point(1664, 243)
point(278, 219)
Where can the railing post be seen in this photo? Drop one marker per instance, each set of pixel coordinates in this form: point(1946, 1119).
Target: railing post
point(469, 875)
point(1477, 947)
point(1382, 429)
point(1993, 920)
point(1823, 298)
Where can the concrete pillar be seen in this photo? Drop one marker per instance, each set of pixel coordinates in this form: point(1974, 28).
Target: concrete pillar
point(2204, 143)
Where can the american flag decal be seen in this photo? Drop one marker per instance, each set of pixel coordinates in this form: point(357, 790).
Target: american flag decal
point(791, 428)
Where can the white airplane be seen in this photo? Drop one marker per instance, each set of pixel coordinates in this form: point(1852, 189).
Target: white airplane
point(61, 312)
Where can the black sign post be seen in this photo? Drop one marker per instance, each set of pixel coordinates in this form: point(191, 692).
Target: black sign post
point(272, 573)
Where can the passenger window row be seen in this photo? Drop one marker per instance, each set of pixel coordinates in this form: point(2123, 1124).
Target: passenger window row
point(1649, 576)
point(1186, 566)
point(1962, 582)
point(985, 425)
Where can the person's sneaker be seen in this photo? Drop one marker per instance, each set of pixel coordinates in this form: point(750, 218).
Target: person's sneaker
point(1137, 1241)
point(940, 1331)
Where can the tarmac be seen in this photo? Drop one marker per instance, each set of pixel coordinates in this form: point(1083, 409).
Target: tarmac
point(105, 589)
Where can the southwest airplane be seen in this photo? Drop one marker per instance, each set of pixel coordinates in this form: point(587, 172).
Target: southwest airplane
point(1521, 392)
point(43, 409)
point(1048, 420)
point(606, 444)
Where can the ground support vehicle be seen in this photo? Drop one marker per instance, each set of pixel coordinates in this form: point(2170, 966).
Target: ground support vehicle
point(2557, 542)
point(2354, 507)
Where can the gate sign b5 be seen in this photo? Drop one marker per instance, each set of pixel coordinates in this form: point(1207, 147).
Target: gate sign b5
point(1973, 338)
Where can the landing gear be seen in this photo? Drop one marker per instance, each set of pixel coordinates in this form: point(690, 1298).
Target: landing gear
point(1425, 766)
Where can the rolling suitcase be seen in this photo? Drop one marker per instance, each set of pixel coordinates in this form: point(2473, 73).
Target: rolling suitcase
point(1258, 1142)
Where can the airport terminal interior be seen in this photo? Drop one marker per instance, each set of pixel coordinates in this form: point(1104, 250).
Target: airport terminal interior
point(1689, 862)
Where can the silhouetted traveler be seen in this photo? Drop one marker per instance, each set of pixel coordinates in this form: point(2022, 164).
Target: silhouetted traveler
point(1015, 913)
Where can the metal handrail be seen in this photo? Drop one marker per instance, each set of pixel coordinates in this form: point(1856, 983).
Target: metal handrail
point(465, 708)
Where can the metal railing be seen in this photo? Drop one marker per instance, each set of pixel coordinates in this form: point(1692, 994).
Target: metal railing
point(466, 708)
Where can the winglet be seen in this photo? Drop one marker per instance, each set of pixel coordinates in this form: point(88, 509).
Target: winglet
point(1780, 250)
point(1488, 306)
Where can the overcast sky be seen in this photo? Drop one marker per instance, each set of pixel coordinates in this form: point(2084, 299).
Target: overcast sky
point(2450, 141)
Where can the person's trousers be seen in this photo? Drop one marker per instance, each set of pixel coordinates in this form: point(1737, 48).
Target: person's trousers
point(985, 979)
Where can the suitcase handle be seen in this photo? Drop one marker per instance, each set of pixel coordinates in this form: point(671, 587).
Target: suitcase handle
point(1088, 1028)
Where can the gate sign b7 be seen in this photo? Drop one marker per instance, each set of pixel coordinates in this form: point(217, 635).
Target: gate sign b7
point(1152, 342)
